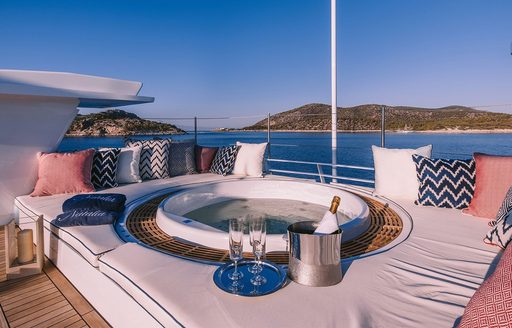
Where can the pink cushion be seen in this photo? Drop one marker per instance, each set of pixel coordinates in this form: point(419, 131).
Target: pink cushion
point(204, 158)
point(491, 305)
point(493, 179)
point(63, 173)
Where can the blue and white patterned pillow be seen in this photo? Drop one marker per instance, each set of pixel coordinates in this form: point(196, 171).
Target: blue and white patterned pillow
point(224, 160)
point(154, 158)
point(104, 168)
point(448, 183)
point(501, 233)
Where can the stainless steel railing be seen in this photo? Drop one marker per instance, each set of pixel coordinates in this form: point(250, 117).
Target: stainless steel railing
point(317, 167)
point(321, 175)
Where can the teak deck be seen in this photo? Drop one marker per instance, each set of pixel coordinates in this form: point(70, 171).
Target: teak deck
point(45, 300)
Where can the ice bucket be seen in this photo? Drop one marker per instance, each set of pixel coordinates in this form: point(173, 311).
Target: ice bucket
point(314, 260)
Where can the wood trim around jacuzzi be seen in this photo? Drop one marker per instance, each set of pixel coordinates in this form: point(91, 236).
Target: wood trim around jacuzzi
point(385, 226)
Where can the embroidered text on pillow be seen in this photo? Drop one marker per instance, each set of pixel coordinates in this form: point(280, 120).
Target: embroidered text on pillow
point(106, 202)
point(85, 217)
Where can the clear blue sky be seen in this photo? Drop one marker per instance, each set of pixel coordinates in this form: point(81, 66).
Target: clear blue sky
point(243, 57)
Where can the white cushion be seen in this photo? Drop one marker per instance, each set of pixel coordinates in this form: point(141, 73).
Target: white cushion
point(89, 241)
point(128, 165)
point(395, 171)
point(93, 241)
point(249, 160)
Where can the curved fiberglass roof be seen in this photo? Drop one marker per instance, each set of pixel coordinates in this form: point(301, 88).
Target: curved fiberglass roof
point(92, 91)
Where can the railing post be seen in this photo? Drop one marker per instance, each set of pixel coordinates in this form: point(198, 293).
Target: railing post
point(195, 129)
point(268, 134)
point(334, 94)
point(267, 166)
point(383, 126)
point(320, 173)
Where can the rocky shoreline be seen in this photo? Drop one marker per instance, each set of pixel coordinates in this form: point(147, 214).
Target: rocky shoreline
point(445, 131)
point(117, 122)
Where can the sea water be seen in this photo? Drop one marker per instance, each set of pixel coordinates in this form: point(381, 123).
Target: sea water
point(353, 148)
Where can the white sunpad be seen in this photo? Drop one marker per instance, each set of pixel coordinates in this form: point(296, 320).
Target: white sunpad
point(425, 281)
point(88, 241)
point(93, 241)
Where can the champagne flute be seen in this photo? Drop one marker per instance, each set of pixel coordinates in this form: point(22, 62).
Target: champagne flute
point(258, 233)
point(236, 234)
point(255, 268)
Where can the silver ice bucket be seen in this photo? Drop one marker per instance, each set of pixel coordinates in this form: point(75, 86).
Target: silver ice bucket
point(314, 260)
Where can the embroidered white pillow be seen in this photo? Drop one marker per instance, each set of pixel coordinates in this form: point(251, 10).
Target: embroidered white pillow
point(395, 171)
point(128, 165)
point(249, 159)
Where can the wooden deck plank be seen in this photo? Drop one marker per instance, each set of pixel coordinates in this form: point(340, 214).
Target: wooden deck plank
point(75, 319)
point(45, 300)
point(31, 307)
point(34, 304)
point(54, 292)
point(22, 297)
point(93, 319)
point(9, 284)
point(57, 319)
point(5, 297)
point(38, 317)
point(3, 320)
point(79, 324)
point(68, 290)
point(41, 315)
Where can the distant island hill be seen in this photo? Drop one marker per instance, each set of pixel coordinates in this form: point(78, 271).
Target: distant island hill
point(116, 122)
point(315, 118)
point(367, 118)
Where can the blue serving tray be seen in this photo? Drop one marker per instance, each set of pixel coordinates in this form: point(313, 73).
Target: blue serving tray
point(275, 275)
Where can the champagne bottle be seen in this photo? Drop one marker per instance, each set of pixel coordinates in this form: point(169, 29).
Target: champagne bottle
point(329, 222)
point(335, 203)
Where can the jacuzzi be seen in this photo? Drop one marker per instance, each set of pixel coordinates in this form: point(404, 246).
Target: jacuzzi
point(171, 213)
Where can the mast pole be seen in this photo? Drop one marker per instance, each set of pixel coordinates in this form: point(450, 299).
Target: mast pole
point(334, 114)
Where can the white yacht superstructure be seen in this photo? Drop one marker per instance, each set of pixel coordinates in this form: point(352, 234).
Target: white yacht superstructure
point(36, 109)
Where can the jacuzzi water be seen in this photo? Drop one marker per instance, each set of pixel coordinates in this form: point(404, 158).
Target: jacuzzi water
point(199, 213)
point(278, 213)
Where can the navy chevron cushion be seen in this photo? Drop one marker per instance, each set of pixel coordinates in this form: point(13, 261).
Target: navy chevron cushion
point(153, 158)
point(224, 160)
point(104, 168)
point(448, 183)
